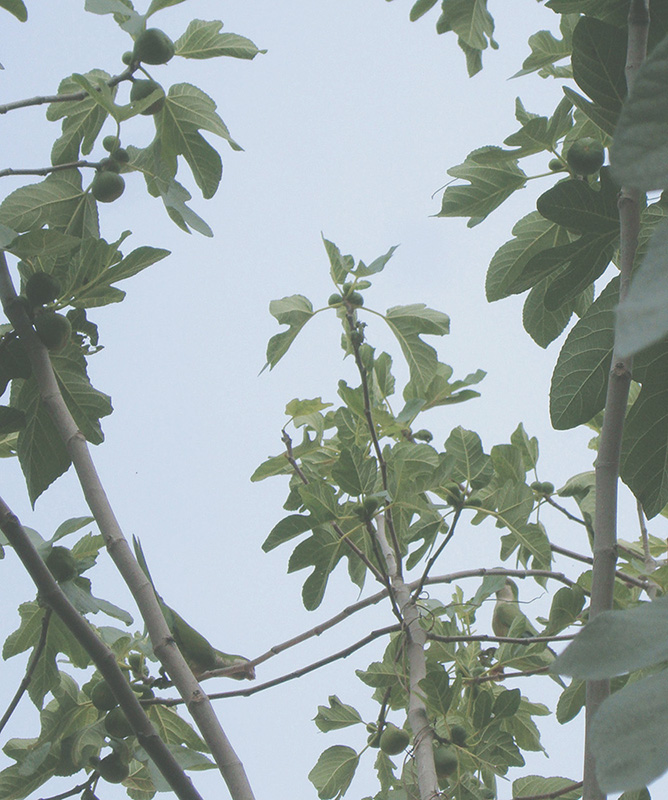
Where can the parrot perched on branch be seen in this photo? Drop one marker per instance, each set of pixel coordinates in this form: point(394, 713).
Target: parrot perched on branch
point(506, 609)
point(199, 653)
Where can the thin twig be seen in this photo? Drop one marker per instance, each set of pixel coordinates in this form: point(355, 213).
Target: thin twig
point(63, 98)
point(47, 170)
point(298, 672)
point(438, 552)
point(30, 669)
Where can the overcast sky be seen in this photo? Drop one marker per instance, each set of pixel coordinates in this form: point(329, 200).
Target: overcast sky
point(348, 124)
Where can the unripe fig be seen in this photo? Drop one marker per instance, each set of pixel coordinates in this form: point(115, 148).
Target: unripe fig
point(113, 768)
point(355, 299)
point(41, 287)
point(107, 187)
point(111, 143)
point(126, 58)
point(393, 740)
point(62, 564)
point(121, 155)
point(116, 724)
point(445, 761)
point(334, 299)
point(54, 329)
point(556, 165)
point(142, 89)
point(153, 46)
point(102, 697)
point(110, 165)
point(586, 156)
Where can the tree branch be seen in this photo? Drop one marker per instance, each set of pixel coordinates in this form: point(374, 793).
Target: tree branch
point(105, 660)
point(619, 380)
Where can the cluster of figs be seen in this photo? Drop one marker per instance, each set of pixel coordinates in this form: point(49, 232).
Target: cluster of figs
point(153, 46)
point(393, 740)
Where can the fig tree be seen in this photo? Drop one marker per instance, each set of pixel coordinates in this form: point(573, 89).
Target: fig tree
point(113, 768)
point(585, 156)
point(41, 287)
point(102, 697)
point(393, 740)
point(62, 564)
point(142, 89)
point(445, 760)
point(54, 329)
point(153, 46)
point(107, 186)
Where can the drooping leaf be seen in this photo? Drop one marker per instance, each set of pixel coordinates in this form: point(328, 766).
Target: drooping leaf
point(533, 234)
point(294, 311)
point(599, 61)
point(580, 377)
point(334, 771)
point(408, 324)
point(42, 453)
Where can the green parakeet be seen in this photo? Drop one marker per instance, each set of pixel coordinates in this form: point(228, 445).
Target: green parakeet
point(200, 654)
point(506, 608)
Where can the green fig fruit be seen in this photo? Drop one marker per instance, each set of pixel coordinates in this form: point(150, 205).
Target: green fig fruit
point(393, 740)
point(445, 761)
point(585, 156)
point(142, 89)
point(153, 46)
point(547, 487)
point(121, 155)
point(102, 697)
point(355, 299)
point(116, 723)
point(62, 564)
point(127, 58)
point(54, 329)
point(113, 768)
point(107, 187)
point(111, 143)
point(41, 287)
point(556, 165)
point(373, 739)
point(334, 299)
point(109, 165)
